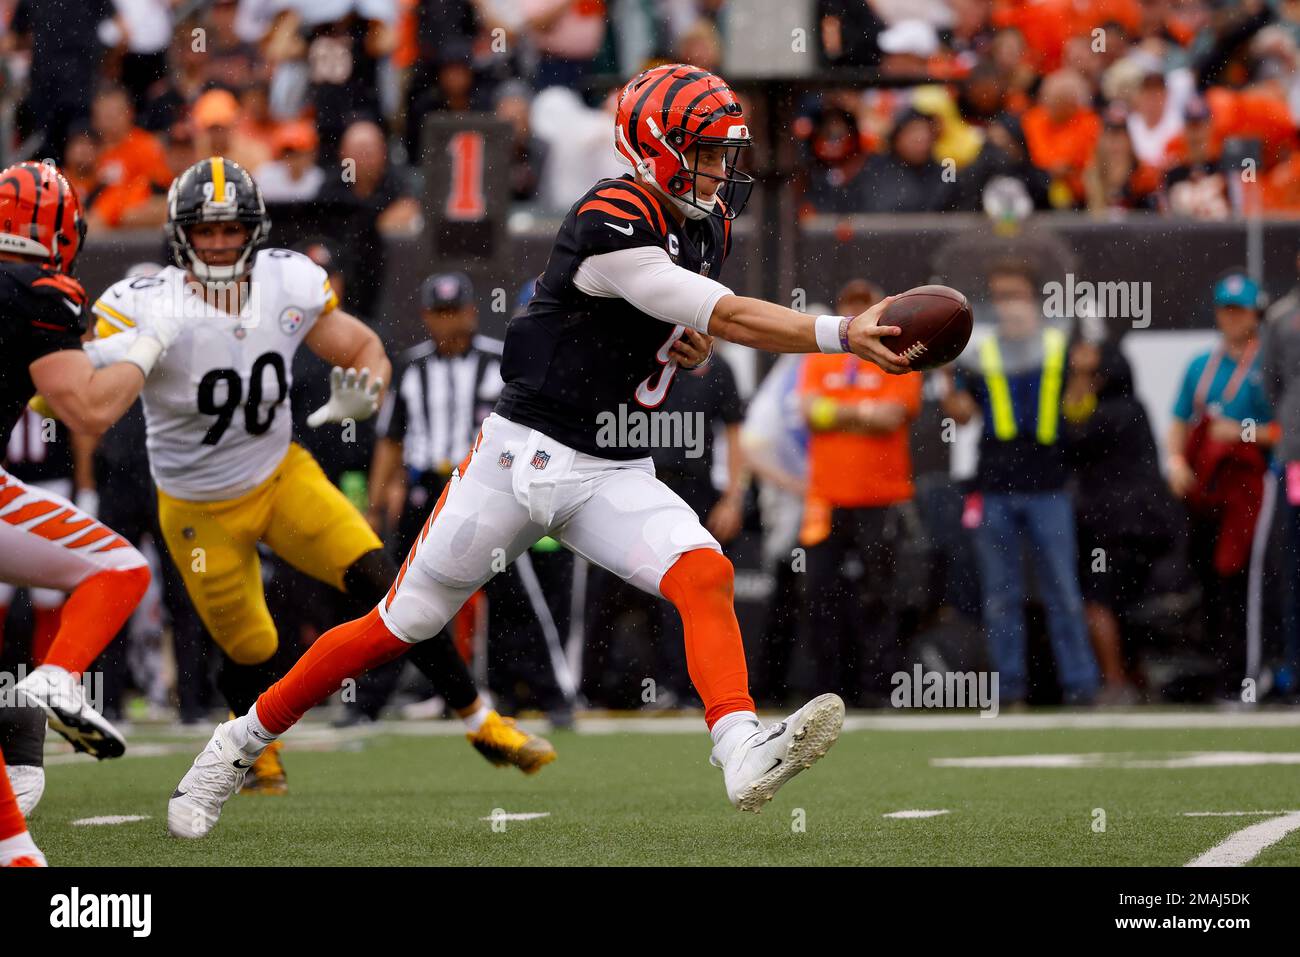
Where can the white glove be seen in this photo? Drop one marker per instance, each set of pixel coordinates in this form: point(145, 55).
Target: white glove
point(157, 329)
point(162, 324)
point(352, 396)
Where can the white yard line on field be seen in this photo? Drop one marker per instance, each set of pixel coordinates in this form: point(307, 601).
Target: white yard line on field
point(109, 819)
point(915, 814)
point(1126, 760)
point(1242, 847)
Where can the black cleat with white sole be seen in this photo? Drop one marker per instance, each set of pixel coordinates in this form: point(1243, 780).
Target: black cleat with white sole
point(62, 698)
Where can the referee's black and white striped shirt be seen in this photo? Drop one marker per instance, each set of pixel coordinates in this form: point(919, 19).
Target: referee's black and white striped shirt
point(439, 403)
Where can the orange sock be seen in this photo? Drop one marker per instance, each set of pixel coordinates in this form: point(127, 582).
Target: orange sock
point(11, 819)
point(343, 652)
point(93, 614)
point(45, 628)
point(701, 584)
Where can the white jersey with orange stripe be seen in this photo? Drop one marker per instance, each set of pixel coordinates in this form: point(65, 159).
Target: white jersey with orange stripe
point(216, 404)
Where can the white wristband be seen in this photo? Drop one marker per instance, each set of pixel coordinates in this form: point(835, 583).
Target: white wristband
point(144, 352)
point(828, 333)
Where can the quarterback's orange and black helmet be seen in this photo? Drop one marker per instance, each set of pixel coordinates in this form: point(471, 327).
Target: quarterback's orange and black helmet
point(664, 116)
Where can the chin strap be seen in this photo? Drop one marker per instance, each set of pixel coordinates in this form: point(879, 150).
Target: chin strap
point(643, 169)
point(701, 210)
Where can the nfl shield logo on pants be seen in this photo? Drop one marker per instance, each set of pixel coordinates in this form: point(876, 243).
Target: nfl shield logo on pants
point(540, 459)
point(507, 459)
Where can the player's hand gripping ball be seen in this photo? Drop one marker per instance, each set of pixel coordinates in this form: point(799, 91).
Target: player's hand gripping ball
point(936, 324)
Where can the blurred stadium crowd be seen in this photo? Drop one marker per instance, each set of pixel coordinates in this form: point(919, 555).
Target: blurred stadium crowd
point(1082, 541)
point(1090, 104)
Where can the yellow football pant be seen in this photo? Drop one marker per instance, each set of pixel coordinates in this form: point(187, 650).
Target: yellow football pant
point(297, 512)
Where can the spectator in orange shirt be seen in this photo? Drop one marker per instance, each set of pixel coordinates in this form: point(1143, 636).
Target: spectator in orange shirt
point(1280, 186)
point(855, 515)
point(1062, 132)
point(131, 171)
point(1045, 25)
point(1253, 113)
point(1048, 24)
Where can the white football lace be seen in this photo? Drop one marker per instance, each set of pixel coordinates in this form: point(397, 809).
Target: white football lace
point(914, 350)
point(213, 782)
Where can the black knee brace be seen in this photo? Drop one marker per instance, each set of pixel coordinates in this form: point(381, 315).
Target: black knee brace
point(22, 732)
point(367, 580)
point(440, 662)
point(241, 684)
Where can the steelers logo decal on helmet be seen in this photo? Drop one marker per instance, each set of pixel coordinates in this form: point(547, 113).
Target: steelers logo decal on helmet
point(215, 190)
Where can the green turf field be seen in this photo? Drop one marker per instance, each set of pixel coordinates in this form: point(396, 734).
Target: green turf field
point(394, 797)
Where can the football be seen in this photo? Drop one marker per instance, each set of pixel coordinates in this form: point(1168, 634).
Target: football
point(936, 323)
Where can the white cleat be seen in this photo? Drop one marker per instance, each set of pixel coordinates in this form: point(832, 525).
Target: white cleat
point(28, 782)
point(771, 756)
point(217, 774)
point(21, 851)
point(62, 698)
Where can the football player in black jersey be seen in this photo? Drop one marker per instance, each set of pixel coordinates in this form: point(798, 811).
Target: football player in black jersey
point(45, 540)
point(629, 296)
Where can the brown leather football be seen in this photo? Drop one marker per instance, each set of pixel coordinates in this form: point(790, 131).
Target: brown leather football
point(936, 323)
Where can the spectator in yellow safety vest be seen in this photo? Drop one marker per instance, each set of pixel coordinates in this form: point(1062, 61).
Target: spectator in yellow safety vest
point(1018, 501)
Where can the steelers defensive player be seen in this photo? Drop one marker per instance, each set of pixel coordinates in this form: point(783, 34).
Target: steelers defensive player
point(219, 442)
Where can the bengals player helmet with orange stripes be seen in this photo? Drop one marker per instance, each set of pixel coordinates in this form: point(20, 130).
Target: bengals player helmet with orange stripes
point(665, 116)
point(40, 215)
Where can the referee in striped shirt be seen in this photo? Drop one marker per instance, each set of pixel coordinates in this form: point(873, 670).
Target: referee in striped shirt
point(443, 391)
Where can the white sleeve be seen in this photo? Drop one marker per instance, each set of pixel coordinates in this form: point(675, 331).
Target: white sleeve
point(653, 283)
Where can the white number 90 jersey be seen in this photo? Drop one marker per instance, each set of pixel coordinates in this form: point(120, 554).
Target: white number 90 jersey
point(217, 403)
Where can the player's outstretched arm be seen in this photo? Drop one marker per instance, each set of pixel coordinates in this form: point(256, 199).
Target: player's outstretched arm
point(87, 399)
point(774, 328)
point(361, 368)
point(648, 279)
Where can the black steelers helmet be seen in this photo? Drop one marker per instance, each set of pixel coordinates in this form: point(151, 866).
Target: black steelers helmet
point(215, 190)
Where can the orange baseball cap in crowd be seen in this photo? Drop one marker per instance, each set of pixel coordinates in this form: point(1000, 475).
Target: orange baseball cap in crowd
point(298, 136)
point(216, 108)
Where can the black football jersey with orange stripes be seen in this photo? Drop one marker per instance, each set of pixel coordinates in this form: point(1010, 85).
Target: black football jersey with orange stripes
point(572, 356)
point(41, 311)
